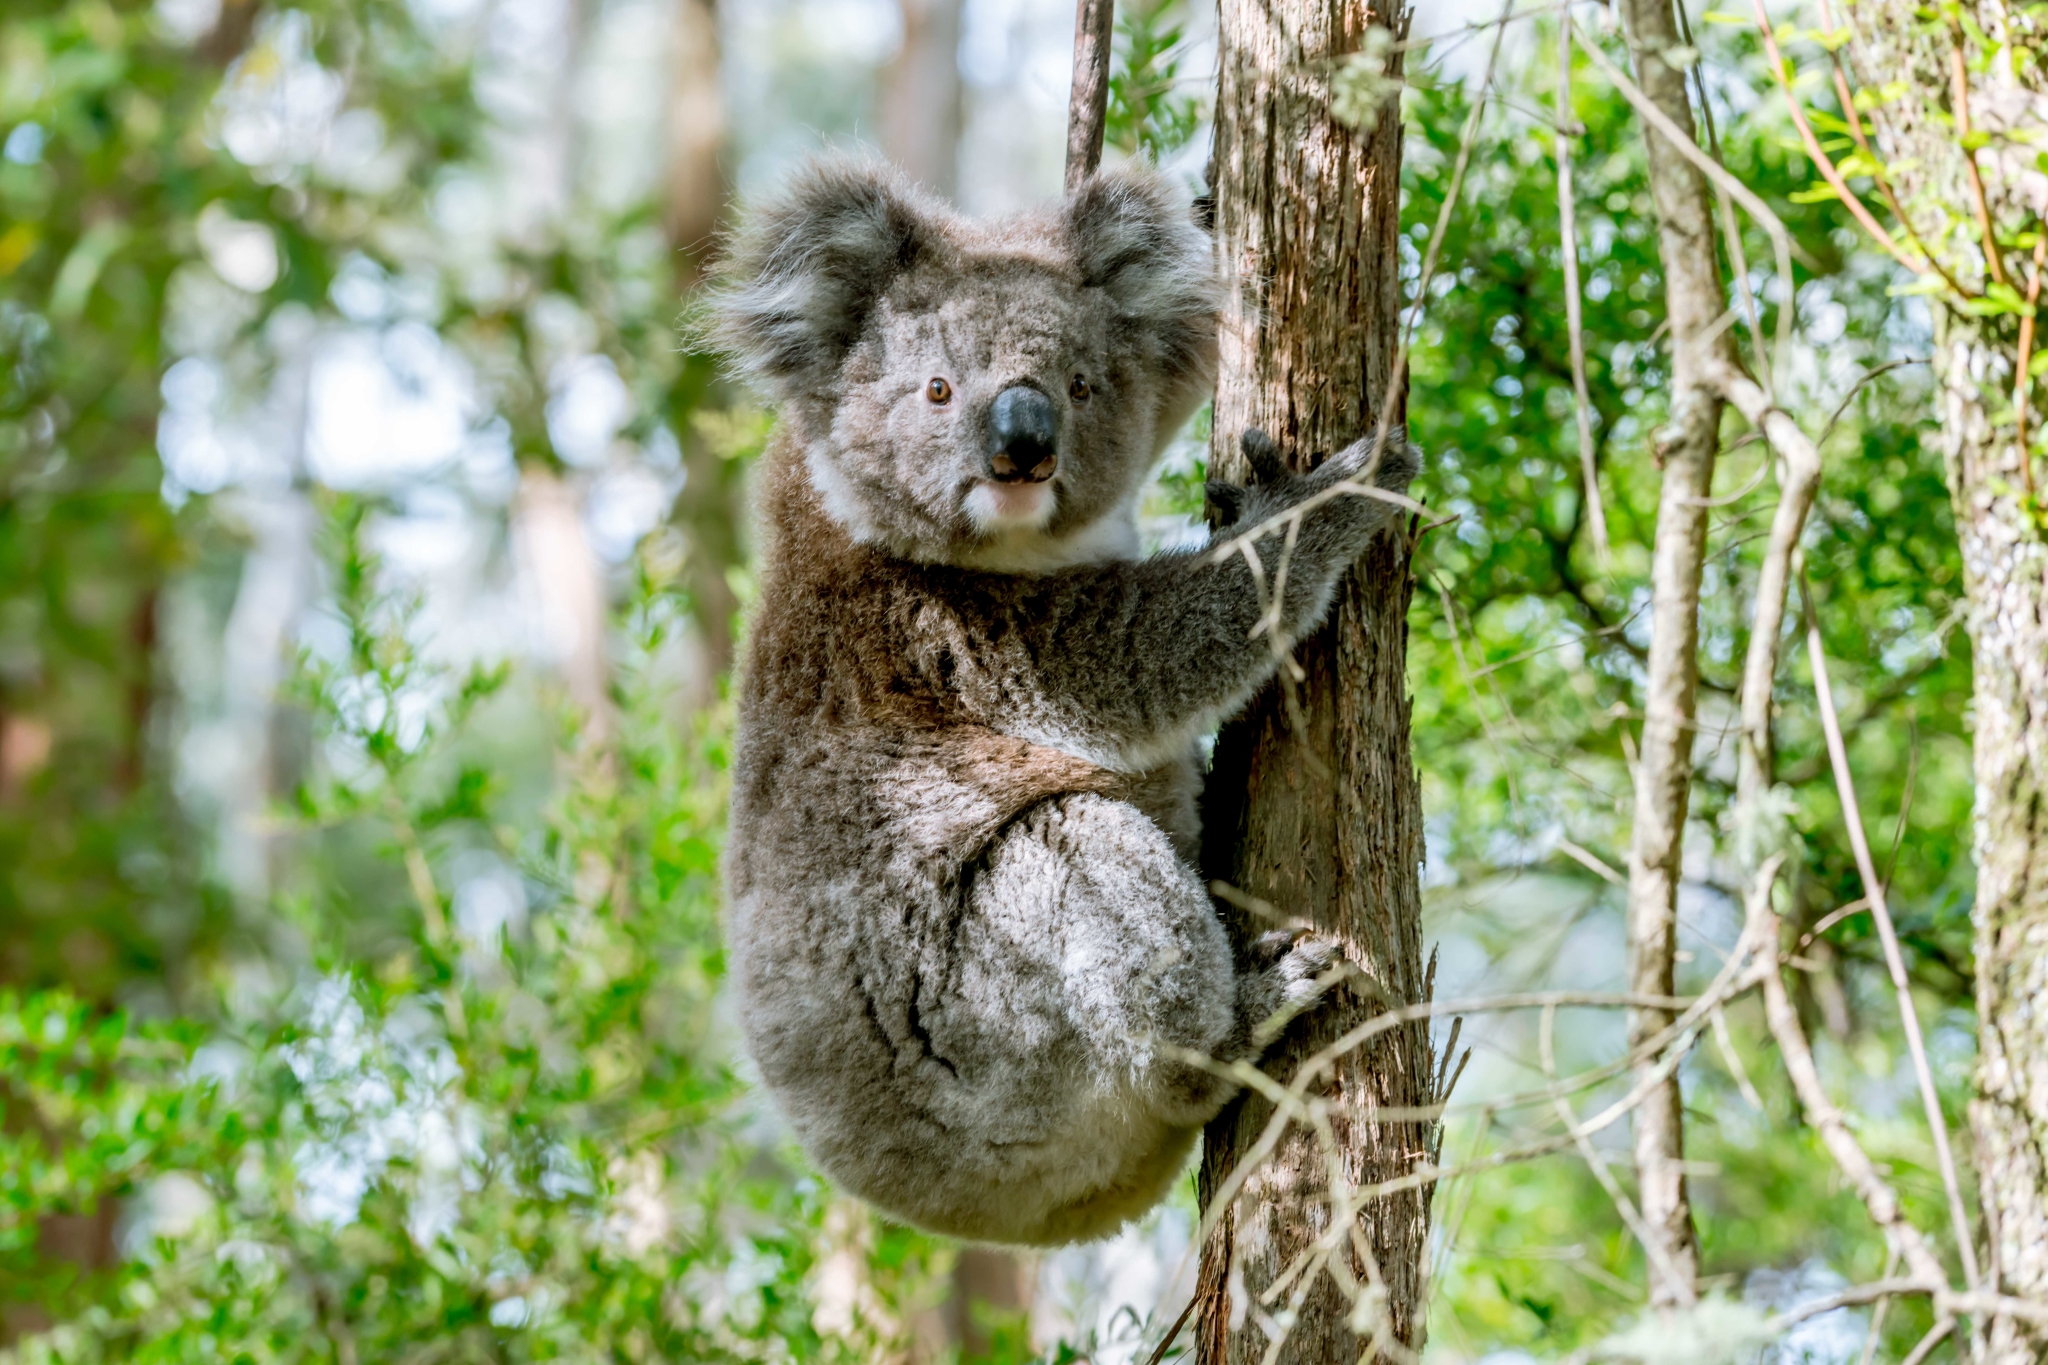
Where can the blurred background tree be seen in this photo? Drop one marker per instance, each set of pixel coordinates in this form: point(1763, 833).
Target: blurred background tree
point(370, 551)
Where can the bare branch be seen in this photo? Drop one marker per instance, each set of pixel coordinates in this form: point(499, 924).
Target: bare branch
point(1568, 253)
point(1687, 446)
point(1879, 1199)
point(1088, 101)
point(1781, 240)
point(1895, 962)
point(1935, 1336)
point(1797, 486)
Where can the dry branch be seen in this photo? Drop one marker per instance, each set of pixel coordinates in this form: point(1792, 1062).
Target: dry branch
point(1568, 253)
point(1878, 1197)
point(1797, 486)
point(1686, 448)
point(1088, 100)
point(1895, 962)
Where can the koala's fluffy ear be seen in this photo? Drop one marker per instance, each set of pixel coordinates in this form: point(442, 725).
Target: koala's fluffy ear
point(808, 268)
point(1134, 236)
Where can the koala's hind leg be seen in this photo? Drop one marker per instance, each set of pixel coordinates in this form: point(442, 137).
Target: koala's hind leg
point(1089, 945)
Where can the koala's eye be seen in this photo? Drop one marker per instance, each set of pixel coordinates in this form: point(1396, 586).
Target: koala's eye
point(939, 391)
point(1079, 390)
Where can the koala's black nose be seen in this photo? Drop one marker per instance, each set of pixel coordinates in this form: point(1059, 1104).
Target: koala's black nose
point(1023, 436)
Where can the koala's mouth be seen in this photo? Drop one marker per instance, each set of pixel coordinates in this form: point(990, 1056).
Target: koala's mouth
point(995, 506)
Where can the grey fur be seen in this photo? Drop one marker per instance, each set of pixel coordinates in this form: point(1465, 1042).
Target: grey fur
point(966, 928)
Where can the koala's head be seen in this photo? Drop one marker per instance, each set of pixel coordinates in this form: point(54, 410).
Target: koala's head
point(976, 392)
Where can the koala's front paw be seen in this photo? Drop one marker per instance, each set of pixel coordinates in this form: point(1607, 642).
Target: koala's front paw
point(1227, 503)
point(1292, 972)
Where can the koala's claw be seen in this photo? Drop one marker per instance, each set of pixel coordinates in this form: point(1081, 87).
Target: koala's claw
point(1225, 503)
point(1262, 455)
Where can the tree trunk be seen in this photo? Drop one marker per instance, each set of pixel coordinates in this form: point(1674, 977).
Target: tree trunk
point(1319, 815)
point(693, 189)
point(1956, 206)
point(1685, 449)
point(920, 116)
point(2004, 567)
point(708, 510)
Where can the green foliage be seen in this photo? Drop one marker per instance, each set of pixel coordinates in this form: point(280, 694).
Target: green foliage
point(116, 177)
point(1491, 403)
point(516, 1137)
point(461, 1083)
point(1155, 103)
point(1527, 663)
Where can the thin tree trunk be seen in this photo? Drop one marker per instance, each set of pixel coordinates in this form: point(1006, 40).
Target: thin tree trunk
point(568, 590)
point(693, 192)
point(694, 204)
point(1319, 815)
point(921, 111)
point(1990, 197)
point(1685, 448)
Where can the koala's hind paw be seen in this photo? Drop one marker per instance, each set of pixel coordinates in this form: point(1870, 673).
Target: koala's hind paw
point(1291, 969)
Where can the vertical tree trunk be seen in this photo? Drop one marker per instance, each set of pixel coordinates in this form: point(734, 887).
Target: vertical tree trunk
point(921, 111)
point(693, 190)
point(1969, 208)
point(708, 509)
point(2006, 574)
point(1685, 449)
point(1321, 816)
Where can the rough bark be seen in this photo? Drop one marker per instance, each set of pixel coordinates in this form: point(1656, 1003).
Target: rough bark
point(1320, 814)
point(1685, 449)
point(2005, 568)
point(920, 114)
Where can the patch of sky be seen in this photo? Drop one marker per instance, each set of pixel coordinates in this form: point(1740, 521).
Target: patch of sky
point(386, 406)
point(24, 145)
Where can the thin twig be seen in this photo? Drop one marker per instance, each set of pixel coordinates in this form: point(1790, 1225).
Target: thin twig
point(2022, 381)
point(1732, 1059)
point(1881, 1202)
point(1781, 240)
point(1959, 76)
point(1595, 1160)
point(1875, 1332)
point(1820, 158)
point(1568, 231)
point(1895, 961)
point(1159, 1352)
point(1856, 388)
point(1398, 374)
point(1935, 1336)
point(1884, 184)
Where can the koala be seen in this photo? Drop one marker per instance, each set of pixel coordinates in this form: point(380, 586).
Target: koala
point(972, 953)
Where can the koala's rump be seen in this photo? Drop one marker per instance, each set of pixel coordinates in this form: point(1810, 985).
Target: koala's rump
point(928, 1052)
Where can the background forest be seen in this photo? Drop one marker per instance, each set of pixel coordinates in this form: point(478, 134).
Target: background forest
point(371, 547)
